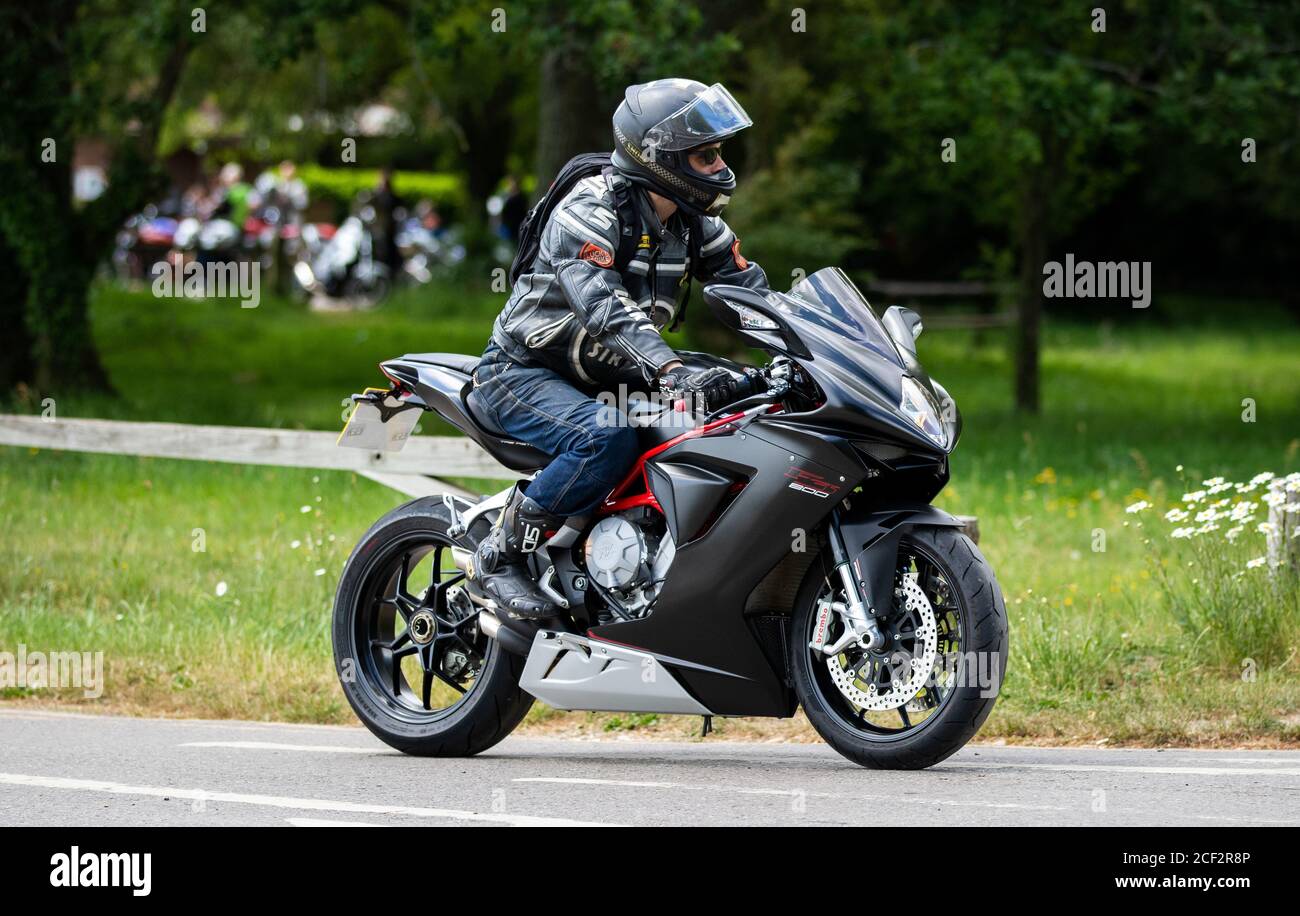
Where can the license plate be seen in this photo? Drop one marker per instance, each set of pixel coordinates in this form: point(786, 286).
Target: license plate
point(379, 430)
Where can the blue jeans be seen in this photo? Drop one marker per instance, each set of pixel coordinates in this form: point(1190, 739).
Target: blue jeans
point(591, 444)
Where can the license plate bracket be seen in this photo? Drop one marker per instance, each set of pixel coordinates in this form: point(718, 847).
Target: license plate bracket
point(379, 421)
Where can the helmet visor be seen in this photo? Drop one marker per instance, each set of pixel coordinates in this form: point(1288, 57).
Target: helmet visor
point(711, 115)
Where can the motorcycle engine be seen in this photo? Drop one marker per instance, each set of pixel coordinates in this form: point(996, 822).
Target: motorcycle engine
point(629, 555)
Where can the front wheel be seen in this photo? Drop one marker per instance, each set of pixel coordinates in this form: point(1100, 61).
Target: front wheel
point(409, 654)
point(928, 690)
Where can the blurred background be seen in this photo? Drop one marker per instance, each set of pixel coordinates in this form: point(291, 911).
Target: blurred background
point(375, 159)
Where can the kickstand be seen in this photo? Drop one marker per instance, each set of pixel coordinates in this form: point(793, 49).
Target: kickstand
point(706, 727)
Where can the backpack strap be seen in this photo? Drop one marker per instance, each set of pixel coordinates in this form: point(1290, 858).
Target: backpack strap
point(628, 222)
point(694, 235)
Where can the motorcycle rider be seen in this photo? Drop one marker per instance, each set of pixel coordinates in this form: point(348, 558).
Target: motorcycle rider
point(574, 325)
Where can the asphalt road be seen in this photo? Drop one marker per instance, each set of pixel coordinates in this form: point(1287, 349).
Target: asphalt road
point(66, 769)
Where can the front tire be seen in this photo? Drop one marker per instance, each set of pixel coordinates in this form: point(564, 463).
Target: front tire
point(411, 662)
point(970, 655)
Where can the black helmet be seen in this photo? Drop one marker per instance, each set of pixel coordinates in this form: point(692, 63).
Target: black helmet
point(658, 124)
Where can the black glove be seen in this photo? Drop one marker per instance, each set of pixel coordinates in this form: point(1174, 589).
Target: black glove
point(709, 389)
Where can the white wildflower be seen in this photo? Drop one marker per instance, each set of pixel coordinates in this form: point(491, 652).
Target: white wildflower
point(1257, 562)
point(1137, 507)
point(1243, 510)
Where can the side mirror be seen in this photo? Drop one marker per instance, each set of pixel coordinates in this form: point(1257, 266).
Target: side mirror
point(903, 325)
point(754, 318)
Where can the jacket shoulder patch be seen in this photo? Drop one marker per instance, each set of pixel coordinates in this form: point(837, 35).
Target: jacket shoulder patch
point(601, 257)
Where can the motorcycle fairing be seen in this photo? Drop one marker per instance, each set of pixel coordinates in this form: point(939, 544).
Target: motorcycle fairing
point(688, 495)
point(827, 325)
point(699, 616)
point(575, 672)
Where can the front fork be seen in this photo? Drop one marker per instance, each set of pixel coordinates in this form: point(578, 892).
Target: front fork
point(859, 616)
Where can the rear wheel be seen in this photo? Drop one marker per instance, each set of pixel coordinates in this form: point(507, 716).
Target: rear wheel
point(928, 690)
point(407, 648)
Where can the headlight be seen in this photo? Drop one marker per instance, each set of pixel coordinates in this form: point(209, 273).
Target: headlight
point(919, 406)
point(753, 320)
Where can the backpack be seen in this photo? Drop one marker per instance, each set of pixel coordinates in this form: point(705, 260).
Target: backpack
point(579, 167)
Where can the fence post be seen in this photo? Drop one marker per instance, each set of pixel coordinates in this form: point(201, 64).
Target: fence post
point(1284, 522)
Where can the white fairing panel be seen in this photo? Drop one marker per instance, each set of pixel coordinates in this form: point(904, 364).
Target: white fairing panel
point(573, 672)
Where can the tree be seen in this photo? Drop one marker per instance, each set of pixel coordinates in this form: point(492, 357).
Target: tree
point(58, 85)
point(1047, 110)
point(588, 53)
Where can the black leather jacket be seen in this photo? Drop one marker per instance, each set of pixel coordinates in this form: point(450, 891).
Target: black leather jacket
point(573, 313)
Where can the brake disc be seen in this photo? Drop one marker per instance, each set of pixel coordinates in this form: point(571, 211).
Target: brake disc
point(908, 671)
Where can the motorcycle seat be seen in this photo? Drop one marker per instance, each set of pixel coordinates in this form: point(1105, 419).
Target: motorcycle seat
point(500, 443)
point(457, 361)
point(459, 410)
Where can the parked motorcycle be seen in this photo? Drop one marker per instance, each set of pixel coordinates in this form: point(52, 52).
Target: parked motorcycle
point(346, 267)
point(144, 239)
point(425, 253)
point(778, 552)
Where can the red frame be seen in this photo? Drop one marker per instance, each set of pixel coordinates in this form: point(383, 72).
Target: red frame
point(620, 499)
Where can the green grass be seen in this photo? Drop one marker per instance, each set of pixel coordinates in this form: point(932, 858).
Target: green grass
point(98, 550)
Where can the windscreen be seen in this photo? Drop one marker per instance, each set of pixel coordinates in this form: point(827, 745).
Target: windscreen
point(829, 297)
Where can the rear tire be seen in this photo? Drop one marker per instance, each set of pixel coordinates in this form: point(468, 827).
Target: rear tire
point(486, 713)
point(982, 617)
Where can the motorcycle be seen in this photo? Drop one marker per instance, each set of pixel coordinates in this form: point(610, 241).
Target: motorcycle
point(778, 552)
point(425, 253)
point(345, 266)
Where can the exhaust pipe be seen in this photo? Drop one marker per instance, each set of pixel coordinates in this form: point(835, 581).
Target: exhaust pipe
point(512, 641)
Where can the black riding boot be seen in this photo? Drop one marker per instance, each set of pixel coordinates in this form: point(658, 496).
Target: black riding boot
point(502, 558)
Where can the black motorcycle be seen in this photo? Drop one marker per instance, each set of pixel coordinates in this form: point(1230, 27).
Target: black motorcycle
point(781, 551)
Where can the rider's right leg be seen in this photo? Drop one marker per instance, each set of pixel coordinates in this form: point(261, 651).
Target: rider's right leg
point(592, 447)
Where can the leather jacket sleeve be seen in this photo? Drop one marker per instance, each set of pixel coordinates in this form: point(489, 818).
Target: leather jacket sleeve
point(581, 240)
point(721, 260)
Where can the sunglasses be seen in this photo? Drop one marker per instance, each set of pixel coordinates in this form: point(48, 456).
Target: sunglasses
point(708, 155)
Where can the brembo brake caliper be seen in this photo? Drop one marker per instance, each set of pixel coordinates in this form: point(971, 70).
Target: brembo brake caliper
point(859, 616)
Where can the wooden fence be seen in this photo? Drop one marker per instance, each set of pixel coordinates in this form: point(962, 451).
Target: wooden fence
point(409, 471)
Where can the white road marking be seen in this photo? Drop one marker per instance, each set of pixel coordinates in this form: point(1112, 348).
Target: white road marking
point(892, 799)
point(785, 793)
point(275, 801)
point(316, 822)
point(1121, 768)
point(275, 746)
